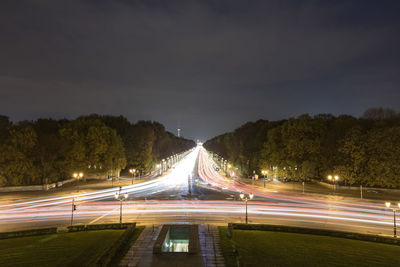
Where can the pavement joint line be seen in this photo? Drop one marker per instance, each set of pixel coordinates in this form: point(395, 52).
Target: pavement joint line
point(102, 216)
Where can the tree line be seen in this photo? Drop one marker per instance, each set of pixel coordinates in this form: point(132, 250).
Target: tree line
point(362, 151)
point(48, 150)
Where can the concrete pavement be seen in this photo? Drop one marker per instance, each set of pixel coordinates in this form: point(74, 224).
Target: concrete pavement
point(141, 252)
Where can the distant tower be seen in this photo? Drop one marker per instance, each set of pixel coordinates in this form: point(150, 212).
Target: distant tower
point(179, 129)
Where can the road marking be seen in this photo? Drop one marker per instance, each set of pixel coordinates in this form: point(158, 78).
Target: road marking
point(102, 216)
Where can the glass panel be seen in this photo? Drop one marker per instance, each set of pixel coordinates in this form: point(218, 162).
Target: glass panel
point(177, 239)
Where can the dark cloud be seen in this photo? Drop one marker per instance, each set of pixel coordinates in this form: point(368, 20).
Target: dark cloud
point(209, 64)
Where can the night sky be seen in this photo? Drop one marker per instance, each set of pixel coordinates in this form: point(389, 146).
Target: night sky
point(208, 65)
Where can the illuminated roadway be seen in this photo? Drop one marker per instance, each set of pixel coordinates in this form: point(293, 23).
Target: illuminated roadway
point(212, 198)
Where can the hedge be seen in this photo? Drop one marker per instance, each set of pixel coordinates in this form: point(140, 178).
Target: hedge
point(31, 232)
point(76, 228)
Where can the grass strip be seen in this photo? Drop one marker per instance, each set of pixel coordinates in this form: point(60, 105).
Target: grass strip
point(62, 249)
point(266, 248)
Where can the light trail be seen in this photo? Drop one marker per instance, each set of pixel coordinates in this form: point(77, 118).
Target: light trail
point(177, 178)
point(211, 211)
point(306, 206)
point(278, 208)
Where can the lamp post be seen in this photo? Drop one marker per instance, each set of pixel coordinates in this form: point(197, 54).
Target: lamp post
point(133, 172)
point(334, 180)
point(394, 217)
point(72, 210)
point(158, 166)
point(246, 198)
point(77, 176)
point(264, 173)
point(120, 197)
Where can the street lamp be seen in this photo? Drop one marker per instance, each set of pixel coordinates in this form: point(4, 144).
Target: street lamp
point(334, 180)
point(133, 172)
point(246, 198)
point(77, 175)
point(394, 217)
point(120, 197)
point(264, 173)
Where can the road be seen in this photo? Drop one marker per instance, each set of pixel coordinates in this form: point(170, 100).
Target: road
point(193, 191)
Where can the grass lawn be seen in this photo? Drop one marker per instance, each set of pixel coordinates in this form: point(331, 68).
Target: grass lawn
point(64, 249)
point(264, 248)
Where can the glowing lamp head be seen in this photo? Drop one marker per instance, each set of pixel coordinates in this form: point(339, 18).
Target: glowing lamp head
point(116, 195)
point(126, 195)
point(329, 177)
point(336, 178)
point(81, 174)
point(398, 204)
point(387, 204)
point(75, 175)
point(241, 195)
point(229, 166)
point(251, 196)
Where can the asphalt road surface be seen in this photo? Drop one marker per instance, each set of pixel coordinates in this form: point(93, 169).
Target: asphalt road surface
point(193, 191)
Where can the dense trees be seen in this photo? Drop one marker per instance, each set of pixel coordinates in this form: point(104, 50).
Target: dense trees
point(362, 151)
point(49, 150)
